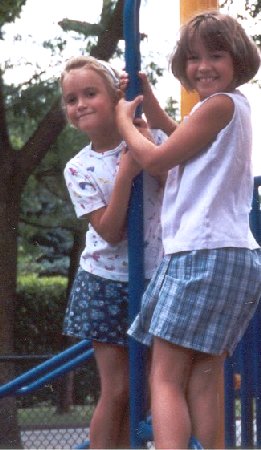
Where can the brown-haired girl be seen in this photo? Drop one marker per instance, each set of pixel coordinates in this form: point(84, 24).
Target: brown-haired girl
point(208, 285)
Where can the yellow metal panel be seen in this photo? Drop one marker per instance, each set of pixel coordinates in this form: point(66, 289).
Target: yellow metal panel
point(189, 8)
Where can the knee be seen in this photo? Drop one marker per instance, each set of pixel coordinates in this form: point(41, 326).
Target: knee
point(118, 392)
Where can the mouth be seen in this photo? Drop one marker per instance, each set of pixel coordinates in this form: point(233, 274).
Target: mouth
point(83, 115)
point(206, 79)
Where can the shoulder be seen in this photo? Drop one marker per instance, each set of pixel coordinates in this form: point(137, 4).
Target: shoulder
point(77, 163)
point(218, 109)
point(79, 157)
point(222, 103)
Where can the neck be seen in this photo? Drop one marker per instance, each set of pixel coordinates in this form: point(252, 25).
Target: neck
point(102, 143)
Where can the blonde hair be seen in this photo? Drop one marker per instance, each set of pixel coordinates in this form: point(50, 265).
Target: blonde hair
point(218, 32)
point(103, 68)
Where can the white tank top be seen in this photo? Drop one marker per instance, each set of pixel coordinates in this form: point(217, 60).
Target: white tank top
point(207, 200)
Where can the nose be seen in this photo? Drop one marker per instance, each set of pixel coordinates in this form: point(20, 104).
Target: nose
point(203, 64)
point(81, 102)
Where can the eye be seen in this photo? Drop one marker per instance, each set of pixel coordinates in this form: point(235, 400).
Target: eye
point(70, 100)
point(217, 54)
point(192, 57)
point(90, 92)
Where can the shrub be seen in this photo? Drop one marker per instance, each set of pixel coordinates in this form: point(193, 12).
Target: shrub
point(39, 313)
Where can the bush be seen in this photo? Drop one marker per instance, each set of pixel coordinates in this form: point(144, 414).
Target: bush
point(39, 314)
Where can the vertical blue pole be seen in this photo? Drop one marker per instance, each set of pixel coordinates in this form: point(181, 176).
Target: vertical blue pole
point(230, 419)
point(255, 221)
point(135, 231)
point(255, 215)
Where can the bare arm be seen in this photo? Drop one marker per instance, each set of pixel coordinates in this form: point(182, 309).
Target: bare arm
point(110, 221)
point(189, 139)
point(157, 117)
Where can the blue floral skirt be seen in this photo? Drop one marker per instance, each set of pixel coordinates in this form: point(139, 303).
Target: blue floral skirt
point(97, 309)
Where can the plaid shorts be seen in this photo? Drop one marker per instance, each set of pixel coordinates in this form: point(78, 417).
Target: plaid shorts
point(203, 300)
point(97, 309)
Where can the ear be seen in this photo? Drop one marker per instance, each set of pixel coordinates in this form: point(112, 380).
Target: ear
point(118, 95)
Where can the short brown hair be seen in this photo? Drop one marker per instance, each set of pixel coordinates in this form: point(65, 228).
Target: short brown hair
point(218, 32)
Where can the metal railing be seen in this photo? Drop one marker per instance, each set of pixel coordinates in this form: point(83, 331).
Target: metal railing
point(49, 370)
point(243, 405)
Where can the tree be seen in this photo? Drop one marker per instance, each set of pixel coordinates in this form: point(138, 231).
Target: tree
point(17, 166)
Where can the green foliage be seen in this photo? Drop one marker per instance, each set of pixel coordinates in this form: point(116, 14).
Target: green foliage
point(39, 313)
point(47, 416)
point(26, 105)
point(172, 108)
point(47, 220)
point(9, 10)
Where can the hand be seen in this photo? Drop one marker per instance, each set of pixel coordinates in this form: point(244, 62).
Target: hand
point(125, 112)
point(146, 87)
point(124, 79)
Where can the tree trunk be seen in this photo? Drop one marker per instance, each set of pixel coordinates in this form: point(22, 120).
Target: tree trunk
point(16, 167)
point(9, 207)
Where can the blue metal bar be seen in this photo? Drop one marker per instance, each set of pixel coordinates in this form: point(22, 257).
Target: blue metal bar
point(255, 215)
point(257, 371)
point(246, 393)
point(230, 424)
point(33, 374)
point(135, 233)
point(52, 375)
point(255, 220)
point(247, 361)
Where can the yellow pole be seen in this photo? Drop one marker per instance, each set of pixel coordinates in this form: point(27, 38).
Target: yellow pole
point(189, 8)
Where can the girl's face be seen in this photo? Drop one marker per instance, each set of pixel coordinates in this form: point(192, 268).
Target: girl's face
point(209, 71)
point(89, 104)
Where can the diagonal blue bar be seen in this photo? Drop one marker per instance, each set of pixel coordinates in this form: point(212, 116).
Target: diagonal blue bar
point(52, 364)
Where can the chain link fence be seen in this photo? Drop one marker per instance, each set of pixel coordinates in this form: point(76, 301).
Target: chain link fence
point(57, 415)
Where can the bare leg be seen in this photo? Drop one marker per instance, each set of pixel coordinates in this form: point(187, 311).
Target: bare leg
point(171, 367)
point(203, 397)
point(112, 409)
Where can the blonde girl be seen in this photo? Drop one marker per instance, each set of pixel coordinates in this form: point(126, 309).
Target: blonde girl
point(99, 180)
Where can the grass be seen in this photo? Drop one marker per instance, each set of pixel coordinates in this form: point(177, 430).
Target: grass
point(42, 416)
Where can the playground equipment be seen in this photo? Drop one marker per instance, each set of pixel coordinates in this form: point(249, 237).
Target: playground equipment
point(247, 366)
point(49, 370)
point(245, 363)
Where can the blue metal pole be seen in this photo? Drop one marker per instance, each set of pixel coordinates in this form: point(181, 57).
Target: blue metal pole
point(55, 362)
point(255, 215)
point(255, 221)
point(230, 420)
point(135, 233)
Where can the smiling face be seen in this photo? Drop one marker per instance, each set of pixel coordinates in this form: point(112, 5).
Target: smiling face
point(88, 101)
point(209, 71)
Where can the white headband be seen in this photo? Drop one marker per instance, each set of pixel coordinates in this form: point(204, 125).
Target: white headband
point(109, 69)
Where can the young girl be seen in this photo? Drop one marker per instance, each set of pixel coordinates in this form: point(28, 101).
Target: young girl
point(99, 180)
point(206, 289)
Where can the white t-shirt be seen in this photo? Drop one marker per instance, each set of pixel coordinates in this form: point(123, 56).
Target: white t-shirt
point(207, 200)
point(90, 178)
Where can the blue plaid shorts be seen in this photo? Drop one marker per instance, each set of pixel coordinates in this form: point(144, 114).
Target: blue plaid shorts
point(203, 300)
point(97, 309)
